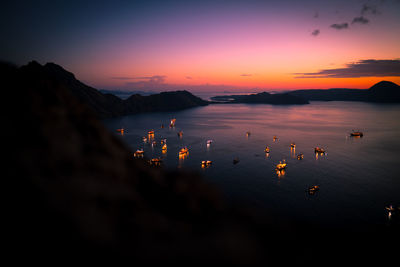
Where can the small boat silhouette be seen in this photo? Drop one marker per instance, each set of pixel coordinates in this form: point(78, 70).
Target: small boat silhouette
point(155, 162)
point(356, 134)
point(138, 153)
point(206, 163)
point(313, 189)
point(281, 166)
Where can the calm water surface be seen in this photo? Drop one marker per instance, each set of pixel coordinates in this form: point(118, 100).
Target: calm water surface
point(358, 177)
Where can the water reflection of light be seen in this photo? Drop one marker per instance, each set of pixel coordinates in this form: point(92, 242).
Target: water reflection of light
point(266, 155)
point(293, 152)
point(280, 173)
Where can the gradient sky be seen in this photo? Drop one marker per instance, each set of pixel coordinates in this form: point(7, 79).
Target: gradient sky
point(209, 45)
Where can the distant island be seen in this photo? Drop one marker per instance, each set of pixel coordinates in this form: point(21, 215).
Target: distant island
point(382, 92)
point(262, 98)
point(106, 105)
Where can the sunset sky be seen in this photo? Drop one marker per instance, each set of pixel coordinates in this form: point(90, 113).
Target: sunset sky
point(209, 45)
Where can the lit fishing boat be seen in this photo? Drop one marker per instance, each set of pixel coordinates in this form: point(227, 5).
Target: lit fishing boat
point(313, 189)
point(180, 134)
point(163, 141)
point(248, 134)
point(209, 142)
point(319, 150)
point(183, 152)
point(281, 166)
point(356, 134)
point(266, 149)
point(121, 130)
point(172, 124)
point(155, 162)
point(300, 156)
point(293, 145)
point(139, 153)
point(150, 132)
point(206, 163)
point(164, 147)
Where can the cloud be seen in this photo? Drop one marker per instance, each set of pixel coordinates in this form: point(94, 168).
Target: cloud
point(189, 77)
point(315, 32)
point(316, 15)
point(340, 26)
point(360, 20)
point(122, 78)
point(362, 68)
point(369, 9)
point(148, 82)
point(246, 75)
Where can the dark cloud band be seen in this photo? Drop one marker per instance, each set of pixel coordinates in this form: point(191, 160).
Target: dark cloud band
point(362, 68)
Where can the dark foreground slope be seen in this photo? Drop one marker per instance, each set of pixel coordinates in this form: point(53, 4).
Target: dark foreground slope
point(71, 189)
point(108, 105)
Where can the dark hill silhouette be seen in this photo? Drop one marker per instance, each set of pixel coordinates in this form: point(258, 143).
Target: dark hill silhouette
point(382, 92)
point(109, 105)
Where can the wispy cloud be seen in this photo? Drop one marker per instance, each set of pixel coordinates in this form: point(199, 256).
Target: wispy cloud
point(369, 9)
point(360, 20)
point(315, 32)
point(122, 78)
point(147, 82)
point(189, 77)
point(246, 74)
point(340, 26)
point(362, 68)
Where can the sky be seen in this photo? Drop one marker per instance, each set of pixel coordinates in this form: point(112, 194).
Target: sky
point(208, 45)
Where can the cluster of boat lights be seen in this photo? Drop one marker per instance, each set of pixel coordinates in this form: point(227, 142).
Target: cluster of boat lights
point(280, 167)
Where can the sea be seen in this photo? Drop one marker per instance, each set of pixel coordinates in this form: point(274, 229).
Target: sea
point(358, 178)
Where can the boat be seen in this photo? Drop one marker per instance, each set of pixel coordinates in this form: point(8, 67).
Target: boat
point(172, 124)
point(164, 147)
point(248, 134)
point(138, 153)
point(206, 163)
point(293, 145)
point(121, 130)
point(313, 189)
point(300, 156)
point(183, 152)
point(266, 149)
point(281, 166)
point(356, 134)
point(275, 138)
point(155, 162)
point(150, 132)
point(319, 150)
point(144, 139)
point(180, 134)
point(236, 160)
point(163, 141)
point(209, 142)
